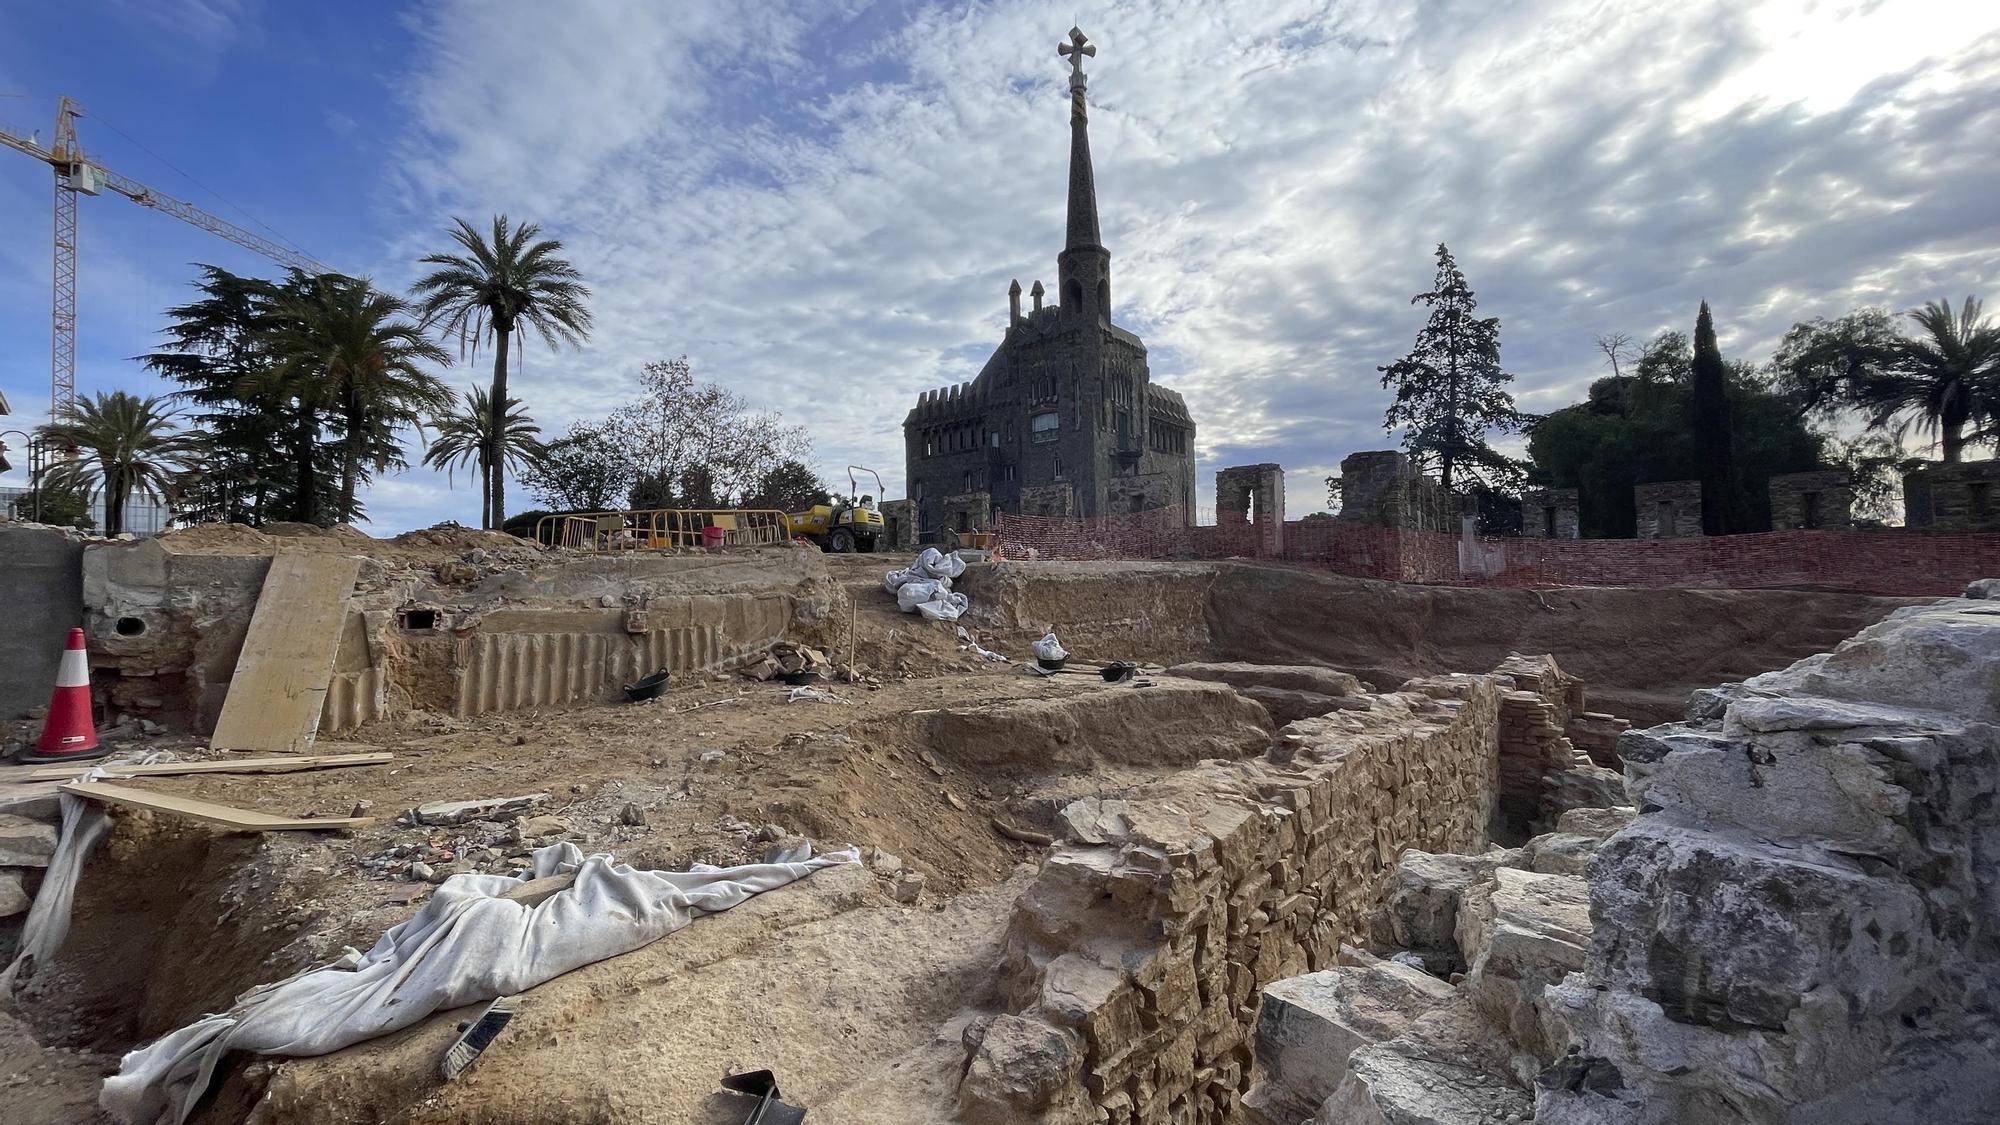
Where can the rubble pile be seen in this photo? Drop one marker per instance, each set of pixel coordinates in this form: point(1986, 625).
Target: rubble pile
point(788, 658)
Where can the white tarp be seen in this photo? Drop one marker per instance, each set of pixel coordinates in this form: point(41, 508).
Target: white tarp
point(925, 586)
point(1048, 648)
point(466, 945)
point(83, 825)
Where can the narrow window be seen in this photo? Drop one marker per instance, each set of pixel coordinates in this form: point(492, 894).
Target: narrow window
point(1058, 466)
point(1809, 509)
point(1978, 501)
point(1549, 523)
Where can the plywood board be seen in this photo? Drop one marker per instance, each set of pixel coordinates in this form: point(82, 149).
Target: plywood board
point(207, 812)
point(279, 687)
point(174, 769)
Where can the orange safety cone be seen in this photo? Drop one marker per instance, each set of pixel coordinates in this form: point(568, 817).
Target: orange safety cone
point(69, 735)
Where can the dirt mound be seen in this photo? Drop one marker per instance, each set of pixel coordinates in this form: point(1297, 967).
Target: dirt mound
point(1169, 724)
point(427, 545)
point(456, 540)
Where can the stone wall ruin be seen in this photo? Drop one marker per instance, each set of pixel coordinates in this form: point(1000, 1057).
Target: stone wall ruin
point(1132, 963)
point(1669, 509)
point(1794, 925)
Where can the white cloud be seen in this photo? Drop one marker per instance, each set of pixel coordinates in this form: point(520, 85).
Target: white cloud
point(823, 207)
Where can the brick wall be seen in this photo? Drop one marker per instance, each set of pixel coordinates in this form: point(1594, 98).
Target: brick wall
point(1132, 966)
point(1872, 562)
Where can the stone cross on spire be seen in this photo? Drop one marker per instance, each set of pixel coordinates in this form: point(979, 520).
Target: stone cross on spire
point(1074, 50)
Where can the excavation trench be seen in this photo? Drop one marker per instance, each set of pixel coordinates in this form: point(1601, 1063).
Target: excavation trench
point(946, 766)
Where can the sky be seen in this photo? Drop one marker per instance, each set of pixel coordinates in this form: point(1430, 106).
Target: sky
point(822, 203)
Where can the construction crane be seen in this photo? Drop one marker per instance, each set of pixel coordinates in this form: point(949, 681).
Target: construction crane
point(74, 175)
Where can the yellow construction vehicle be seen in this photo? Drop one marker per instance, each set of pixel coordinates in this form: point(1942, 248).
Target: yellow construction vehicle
point(843, 525)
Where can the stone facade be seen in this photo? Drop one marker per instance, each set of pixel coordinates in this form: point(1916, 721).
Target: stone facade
point(1820, 500)
point(1668, 509)
point(1961, 497)
point(1253, 494)
point(1550, 513)
point(899, 527)
point(968, 511)
point(1384, 489)
point(1065, 414)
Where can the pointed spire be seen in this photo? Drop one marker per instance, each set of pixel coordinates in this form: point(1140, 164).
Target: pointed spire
point(1083, 231)
point(1036, 293)
point(1014, 302)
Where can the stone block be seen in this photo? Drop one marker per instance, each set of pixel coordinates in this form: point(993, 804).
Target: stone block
point(25, 842)
point(1420, 904)
point(13, 897)
point(1722, 928)
point(1520, 932)
point(1023, 1070)
point(1308, 1025)
point(1442, 1071)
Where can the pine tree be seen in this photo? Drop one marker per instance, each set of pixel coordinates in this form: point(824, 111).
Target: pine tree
point(1450, 391)
point(1708, 418)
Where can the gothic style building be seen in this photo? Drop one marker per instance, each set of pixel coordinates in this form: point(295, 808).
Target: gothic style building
point(1064, 420)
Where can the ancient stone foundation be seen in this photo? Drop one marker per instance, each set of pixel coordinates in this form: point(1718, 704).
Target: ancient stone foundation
point(1132, 963)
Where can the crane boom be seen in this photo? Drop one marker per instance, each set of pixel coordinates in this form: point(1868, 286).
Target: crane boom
point(73, 175)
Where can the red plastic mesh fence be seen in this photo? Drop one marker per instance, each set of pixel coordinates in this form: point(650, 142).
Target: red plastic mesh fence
point(1872, 562)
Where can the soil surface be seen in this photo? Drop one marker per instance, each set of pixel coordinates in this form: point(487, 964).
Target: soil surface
point(849, 995)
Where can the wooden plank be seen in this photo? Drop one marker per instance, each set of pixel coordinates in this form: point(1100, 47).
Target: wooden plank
point(173, 769)
point(207, 812)
point(279, 687)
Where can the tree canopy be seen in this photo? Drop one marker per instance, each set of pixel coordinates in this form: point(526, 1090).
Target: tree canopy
point(1450, 391)
point(1634, 429)
point(515, 281)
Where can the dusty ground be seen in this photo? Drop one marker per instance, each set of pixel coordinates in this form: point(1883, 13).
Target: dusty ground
point(842, 991)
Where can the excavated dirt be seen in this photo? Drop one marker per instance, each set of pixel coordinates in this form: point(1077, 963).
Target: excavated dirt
point(1640, 651)
point(848, 995)
point(430, 544)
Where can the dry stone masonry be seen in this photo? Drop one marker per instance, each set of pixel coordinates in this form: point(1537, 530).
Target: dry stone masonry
point(1796, 924)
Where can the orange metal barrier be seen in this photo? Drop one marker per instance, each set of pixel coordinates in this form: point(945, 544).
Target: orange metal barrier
point(662, 528)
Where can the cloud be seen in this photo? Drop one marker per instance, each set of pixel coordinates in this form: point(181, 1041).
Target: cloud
point(822, 205)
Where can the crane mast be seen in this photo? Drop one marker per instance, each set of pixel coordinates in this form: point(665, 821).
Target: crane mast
point(75, 175)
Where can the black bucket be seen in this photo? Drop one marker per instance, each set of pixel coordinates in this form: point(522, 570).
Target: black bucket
point(648, 688)
point(800, 678)
point(1051, 663)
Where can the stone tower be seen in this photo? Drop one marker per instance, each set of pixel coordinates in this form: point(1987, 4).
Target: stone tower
point(1064, 419)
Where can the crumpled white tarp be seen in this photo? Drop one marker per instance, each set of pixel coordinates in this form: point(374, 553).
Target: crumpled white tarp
point(925, 586)
point(83, 825)
point(1048, 648)
point(466, 945)
point(972, 643)
point(916, 592)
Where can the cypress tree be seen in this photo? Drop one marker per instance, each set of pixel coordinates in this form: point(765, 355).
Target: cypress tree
point(1708, 418)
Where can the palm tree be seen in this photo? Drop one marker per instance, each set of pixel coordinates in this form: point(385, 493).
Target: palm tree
point(120, 444)
point(347, 349)
point(464, 436)
point(497, 287)
point(1949, 376)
